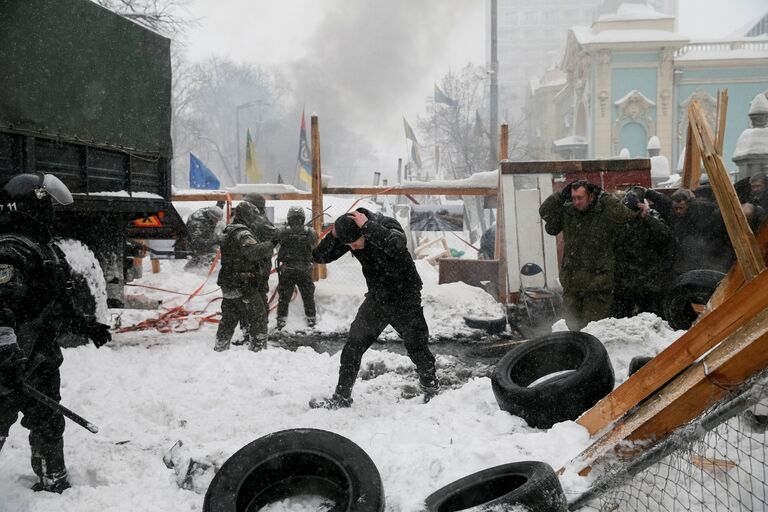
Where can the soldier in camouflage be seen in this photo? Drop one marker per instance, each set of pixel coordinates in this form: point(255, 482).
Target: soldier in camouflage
point(204, 236)
point(294, 265)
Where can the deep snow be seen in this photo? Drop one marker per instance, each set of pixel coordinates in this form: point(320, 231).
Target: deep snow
point(147, 390)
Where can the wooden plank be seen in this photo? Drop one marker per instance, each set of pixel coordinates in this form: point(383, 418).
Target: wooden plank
point(722, 114)
point(735, 277)
point(747, 302)
point(742, 238)
point(740, 356)
point(691, 162)
point(499, 249)
point(222, 196)
point(571, 166)
point(420, 191)
point(318, 269)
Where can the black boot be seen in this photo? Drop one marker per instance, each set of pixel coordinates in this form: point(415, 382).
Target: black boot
point(333, 402)
point(48, 464)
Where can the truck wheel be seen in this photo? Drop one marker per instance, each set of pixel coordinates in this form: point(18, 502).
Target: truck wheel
point(293, 463)
point(693, 287)
point(636, 363)
point(530, 485)
point(562, 398)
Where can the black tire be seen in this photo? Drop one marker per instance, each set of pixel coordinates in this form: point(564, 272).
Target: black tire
point(559, 399)
point(491, 325)
point(297, 462)
point(528, 484)
point(636, 363)
point(693, 287)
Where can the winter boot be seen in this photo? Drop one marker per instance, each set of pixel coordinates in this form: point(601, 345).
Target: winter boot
point(280, 323)
point(429, 385)
point(221, 345)
point(245, 340)
point(333, 402)
point(48, 465)
point(311, 321)
point(258, 342)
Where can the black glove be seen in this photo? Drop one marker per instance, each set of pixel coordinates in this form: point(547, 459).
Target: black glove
point(98, 333)
point(566, 192)
point(11, 361)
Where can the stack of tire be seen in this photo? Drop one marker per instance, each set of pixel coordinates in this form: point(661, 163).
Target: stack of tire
point(302, 462)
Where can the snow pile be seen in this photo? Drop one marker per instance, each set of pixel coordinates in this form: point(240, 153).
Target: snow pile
point(84, 263)
point(146, 391)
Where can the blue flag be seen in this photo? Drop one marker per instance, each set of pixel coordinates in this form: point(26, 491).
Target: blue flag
point(441, 97)
point(201, 176)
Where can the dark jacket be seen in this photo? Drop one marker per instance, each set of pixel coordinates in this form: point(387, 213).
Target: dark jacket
point(588, 255)
point(644, 254)
point(201, 229)
point(242, 258)
point(387, 265)
point(296, 244)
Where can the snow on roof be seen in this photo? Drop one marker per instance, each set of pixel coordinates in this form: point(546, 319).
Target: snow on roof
point(654, 143)
point(752, 141)
point(747, 27)
point(633, 11)
point(571, 140)
point(121, 193)
point(633, 92)
point(724, 54)
point(585, 35)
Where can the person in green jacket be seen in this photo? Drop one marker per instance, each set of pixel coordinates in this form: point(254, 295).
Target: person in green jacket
point(590, 220)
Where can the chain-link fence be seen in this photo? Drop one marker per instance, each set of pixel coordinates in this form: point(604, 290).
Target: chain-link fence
point(715, 463)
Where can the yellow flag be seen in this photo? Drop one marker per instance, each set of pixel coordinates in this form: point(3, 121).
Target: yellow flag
point(252, 167)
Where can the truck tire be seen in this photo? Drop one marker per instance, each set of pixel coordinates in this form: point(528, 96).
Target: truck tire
point(693, 287)
point(531, 485)
point(296, 462)
point(559, 399)
point(636, 363)
point(491, 325)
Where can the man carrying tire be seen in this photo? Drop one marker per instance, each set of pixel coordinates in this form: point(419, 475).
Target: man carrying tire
point(589, 219)
point(393, 298)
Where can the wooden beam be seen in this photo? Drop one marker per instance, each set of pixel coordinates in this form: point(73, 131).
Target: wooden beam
point(747, 302)
point(742, 238)
point(691, 162)
point(722, 113)
point(570, 166)
point(743, 353)
point(735, 277)
point(499, 248)
point(222, 196)
point(318, 270)
point(420, 191)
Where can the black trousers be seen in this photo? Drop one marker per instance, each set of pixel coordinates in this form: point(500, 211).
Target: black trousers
point(406, 316)
point(290, 278)
point(46, 426)
point(250, 311)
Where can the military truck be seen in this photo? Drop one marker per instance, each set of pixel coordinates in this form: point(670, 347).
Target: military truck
point(85, 94)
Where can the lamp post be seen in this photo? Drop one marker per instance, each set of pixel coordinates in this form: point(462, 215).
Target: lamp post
point(238, 108)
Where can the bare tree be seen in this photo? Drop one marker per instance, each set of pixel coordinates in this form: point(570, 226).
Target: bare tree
point(163, 16)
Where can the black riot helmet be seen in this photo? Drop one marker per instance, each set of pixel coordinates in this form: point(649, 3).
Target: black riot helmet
point(295, 216)
point(27, 200)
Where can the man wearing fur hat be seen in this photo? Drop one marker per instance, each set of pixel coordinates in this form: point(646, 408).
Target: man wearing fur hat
point(393, 298)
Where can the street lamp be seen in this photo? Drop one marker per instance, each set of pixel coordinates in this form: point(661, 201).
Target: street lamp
point(238, 108)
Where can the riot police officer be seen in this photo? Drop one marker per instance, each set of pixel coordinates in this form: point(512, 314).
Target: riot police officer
point(242, 280)
point(35, 308)
point(204, 235)
point(294, 265)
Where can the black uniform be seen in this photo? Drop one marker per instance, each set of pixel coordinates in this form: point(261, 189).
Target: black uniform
point(35, 308)
point(393, 298)
point(294, 266)
point(243, 280)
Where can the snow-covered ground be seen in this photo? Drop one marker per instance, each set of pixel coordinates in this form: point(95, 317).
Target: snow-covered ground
point(147, 390)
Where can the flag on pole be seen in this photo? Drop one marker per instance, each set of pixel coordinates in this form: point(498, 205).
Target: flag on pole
point(441, 97)
point(280, 179)
point(252, 167)
point(416, 155)
point(304, 166)
point(409, 132)
point(200, 176)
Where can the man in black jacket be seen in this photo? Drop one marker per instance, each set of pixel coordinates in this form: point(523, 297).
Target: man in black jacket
point(393, 298)
point(35, 309)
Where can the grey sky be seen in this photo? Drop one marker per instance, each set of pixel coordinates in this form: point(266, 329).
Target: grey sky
point(377, 60)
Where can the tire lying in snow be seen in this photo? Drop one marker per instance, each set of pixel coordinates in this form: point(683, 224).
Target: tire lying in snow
point(491, 325)
point(297, 462)
point(531, 484)
point(564, 397)
point(693, 287)
point(636, 363)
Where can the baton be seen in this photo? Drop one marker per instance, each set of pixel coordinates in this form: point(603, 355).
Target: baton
point(56, 406)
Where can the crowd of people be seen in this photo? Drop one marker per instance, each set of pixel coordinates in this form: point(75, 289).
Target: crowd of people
point(623, 251)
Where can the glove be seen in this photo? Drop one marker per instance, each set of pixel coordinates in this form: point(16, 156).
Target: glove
point(11, 361)
point(98, 333)
point(566, 192)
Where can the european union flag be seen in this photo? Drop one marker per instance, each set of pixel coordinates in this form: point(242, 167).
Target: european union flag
point(201, 176)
